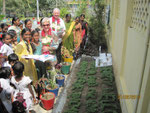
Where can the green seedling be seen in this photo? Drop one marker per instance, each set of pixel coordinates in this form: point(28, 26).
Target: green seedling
point(108, 96)
point(77, 87)
point(104, 107)
point(91, 106)
point(92, 94)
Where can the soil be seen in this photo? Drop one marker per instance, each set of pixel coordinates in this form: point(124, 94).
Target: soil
point(49, 88)
point(47, 96)
point(85, 90)
point(60, 77)
point(98, 88)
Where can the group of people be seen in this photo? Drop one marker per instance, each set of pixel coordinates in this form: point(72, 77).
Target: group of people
point(16, 72)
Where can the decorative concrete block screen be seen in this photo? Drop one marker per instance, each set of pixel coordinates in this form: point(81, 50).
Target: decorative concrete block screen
point(140, 15)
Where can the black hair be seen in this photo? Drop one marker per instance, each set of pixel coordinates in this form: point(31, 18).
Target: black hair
point(34, 31)
point(20, 23)
point(5, 72)
point(26, 21)
point(77, 18)
point(37, 29)
point(5, 34)
point(12, 33)
point(14, 19)
point(3, 25)
point(24, 31)
point(41, 21)
point(13, 57)
point(18, 69)
point(17, 107)
point(82, 15)
point(68, 15)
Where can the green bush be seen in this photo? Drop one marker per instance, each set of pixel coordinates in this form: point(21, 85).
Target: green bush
point(2, 17)
point(97, 25)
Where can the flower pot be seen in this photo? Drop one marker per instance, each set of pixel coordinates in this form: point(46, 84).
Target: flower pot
point(68, 59)
point(65, 69)
point(47, 102)
point(55, 91)
point(60, 80)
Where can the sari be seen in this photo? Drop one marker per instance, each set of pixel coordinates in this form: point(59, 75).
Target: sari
point(68, 40)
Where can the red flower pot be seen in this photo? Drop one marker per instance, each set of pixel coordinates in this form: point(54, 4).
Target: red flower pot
point(48, 103)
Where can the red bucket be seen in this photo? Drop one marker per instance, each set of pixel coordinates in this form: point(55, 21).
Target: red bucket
point(48, 103)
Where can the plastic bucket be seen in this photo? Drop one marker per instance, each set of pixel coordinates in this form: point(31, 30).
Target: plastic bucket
point(60, 82)
point(65, 69)
point(70, 59)
point(48, 104)
point(55, 91)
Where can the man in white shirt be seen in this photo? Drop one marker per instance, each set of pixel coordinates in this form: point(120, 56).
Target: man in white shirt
point(58, 28)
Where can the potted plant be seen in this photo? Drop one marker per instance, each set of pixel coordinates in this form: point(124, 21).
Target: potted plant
point(47, 100)
point(65, 69)
point(60, 80)
point(52, 87)
point(67, 54)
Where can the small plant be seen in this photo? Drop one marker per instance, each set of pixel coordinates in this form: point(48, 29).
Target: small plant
point(52, 84)
point(66, 53)
point(91, 106)
point(92, 81)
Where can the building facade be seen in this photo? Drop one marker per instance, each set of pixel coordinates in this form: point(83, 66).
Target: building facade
point(128, 40)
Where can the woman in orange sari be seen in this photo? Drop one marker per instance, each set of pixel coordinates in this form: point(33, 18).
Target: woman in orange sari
point(77, 35)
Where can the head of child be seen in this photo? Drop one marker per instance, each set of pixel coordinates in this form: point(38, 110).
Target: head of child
point(18, 69)
point(0, 29)
point(17, 107)
point(21, 25)
point(4, 27)
point(35, 35)
point(12, 59)
point(5, 72)
point(15, 21)
point(6, 38)
point(13, 35)
point(26, 34)
point(28, 23)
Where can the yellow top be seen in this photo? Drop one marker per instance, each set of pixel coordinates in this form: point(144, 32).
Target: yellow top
point(30, 69)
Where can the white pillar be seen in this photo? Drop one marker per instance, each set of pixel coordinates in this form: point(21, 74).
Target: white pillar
point(37, 10)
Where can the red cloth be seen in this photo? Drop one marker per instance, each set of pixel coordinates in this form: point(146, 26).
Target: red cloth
point(83, 33)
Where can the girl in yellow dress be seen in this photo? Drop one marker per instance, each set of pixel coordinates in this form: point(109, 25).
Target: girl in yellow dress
point(24, 48)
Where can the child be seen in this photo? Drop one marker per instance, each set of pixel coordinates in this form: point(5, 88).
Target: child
point(6, 90)
point(23, 85)
point(41, 68)
point(24, 48)
point(6, 49)
point(4, 27)
point(12, 59)
point(14, 38)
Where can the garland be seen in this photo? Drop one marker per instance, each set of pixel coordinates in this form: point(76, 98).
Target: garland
point(43, 33)
point(53, 23)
